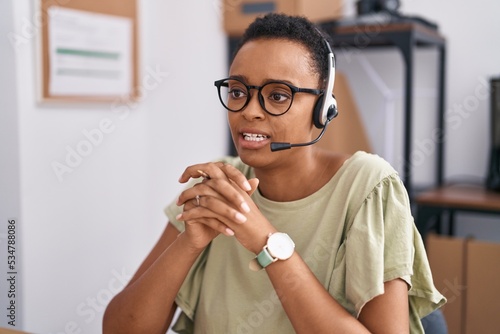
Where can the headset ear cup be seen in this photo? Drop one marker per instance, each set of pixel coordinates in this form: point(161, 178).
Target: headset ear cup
point(318, 110)
point(317, 117)
point(332, 110)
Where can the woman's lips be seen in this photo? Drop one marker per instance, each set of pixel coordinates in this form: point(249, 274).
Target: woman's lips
point(253, 140)
point(254, 136)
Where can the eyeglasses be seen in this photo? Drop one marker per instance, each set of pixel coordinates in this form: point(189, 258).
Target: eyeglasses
point(275, 97)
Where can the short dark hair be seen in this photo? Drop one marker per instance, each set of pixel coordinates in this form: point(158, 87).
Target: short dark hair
point(293, 28)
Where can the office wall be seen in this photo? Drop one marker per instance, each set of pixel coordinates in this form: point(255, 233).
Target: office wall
point(85, 232)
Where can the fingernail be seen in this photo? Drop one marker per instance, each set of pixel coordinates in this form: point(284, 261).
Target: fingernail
point(179, 216)
point(241, 217)
point(229, 231)
point(203, 174)
point(247, 186)
point(245, 207)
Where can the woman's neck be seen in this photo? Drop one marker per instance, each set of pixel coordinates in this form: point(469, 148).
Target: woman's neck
point(300, 179)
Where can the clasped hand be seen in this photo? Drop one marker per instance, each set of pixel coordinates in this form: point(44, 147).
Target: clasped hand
point(221, 203)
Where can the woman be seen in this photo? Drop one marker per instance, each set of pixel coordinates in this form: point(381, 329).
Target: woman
point(301, 240)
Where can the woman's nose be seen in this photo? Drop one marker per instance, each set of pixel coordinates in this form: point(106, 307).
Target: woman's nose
point(254, 109)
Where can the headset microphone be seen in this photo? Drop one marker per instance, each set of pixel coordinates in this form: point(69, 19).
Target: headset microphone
point(325, 109)
point(279, 146)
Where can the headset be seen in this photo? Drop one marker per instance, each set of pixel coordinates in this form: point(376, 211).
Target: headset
point(325, 108)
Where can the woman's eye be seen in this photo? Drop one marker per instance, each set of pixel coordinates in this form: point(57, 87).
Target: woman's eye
point(236, 93)
point(278, 97)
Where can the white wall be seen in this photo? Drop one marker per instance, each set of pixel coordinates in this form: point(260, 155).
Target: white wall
point(83, 235)
point(80, 239)
point(9, 178)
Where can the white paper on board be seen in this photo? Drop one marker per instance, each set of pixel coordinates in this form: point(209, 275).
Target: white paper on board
point(90, 54)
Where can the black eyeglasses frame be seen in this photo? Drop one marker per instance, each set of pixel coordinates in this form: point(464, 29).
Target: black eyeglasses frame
point(293, 89)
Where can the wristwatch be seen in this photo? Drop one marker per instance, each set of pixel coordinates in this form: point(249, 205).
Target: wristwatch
point(279, 247)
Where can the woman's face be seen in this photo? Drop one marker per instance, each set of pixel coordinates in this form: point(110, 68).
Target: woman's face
point(253, 129)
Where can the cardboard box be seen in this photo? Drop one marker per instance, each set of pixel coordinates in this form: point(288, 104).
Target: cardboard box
point(446, 258)
point(482, 312)
point(238, 14)
point(467, 273)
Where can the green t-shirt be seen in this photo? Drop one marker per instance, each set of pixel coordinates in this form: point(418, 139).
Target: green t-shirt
point(355, 233)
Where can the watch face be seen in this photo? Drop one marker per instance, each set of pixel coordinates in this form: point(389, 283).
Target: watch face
point(280, 245)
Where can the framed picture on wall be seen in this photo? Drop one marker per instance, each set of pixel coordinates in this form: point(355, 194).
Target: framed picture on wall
point(88, 50)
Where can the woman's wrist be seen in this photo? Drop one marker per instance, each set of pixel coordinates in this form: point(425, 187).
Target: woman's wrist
point(185, 243)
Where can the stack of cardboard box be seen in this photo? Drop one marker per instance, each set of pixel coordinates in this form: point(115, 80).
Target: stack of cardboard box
point(467, 272)
point(238, 14)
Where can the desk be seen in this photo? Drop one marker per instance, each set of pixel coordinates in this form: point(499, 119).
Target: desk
point(451, 199)
point(406, 36)
point(11, 331)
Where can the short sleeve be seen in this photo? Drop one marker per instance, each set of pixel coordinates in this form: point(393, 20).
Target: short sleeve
point(383, 244)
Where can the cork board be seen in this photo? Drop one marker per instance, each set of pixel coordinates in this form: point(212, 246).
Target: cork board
point(116, 9)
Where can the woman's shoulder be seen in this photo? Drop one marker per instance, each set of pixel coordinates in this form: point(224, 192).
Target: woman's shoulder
point(363, 162)
point(358, 162)
point(364, 171)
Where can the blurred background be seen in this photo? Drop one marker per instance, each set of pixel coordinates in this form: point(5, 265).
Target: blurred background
point(83, 227)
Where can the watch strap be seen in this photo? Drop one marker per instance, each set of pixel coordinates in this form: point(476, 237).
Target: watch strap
point(264, 258)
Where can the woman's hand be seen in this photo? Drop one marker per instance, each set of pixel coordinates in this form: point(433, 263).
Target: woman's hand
point(221, 203)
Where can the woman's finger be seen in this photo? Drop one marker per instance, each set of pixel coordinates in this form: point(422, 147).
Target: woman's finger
point(224, 190)
point(254, 184)
point(207, 170)
point(200, 215)
point(212, 207)
point(235, 175)
point(216, 170)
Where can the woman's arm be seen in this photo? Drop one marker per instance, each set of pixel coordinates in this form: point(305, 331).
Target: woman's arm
point(146, 304)
point(388, 313)
point(311, 309)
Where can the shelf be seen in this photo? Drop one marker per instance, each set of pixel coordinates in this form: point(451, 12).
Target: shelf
point(406, 37)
